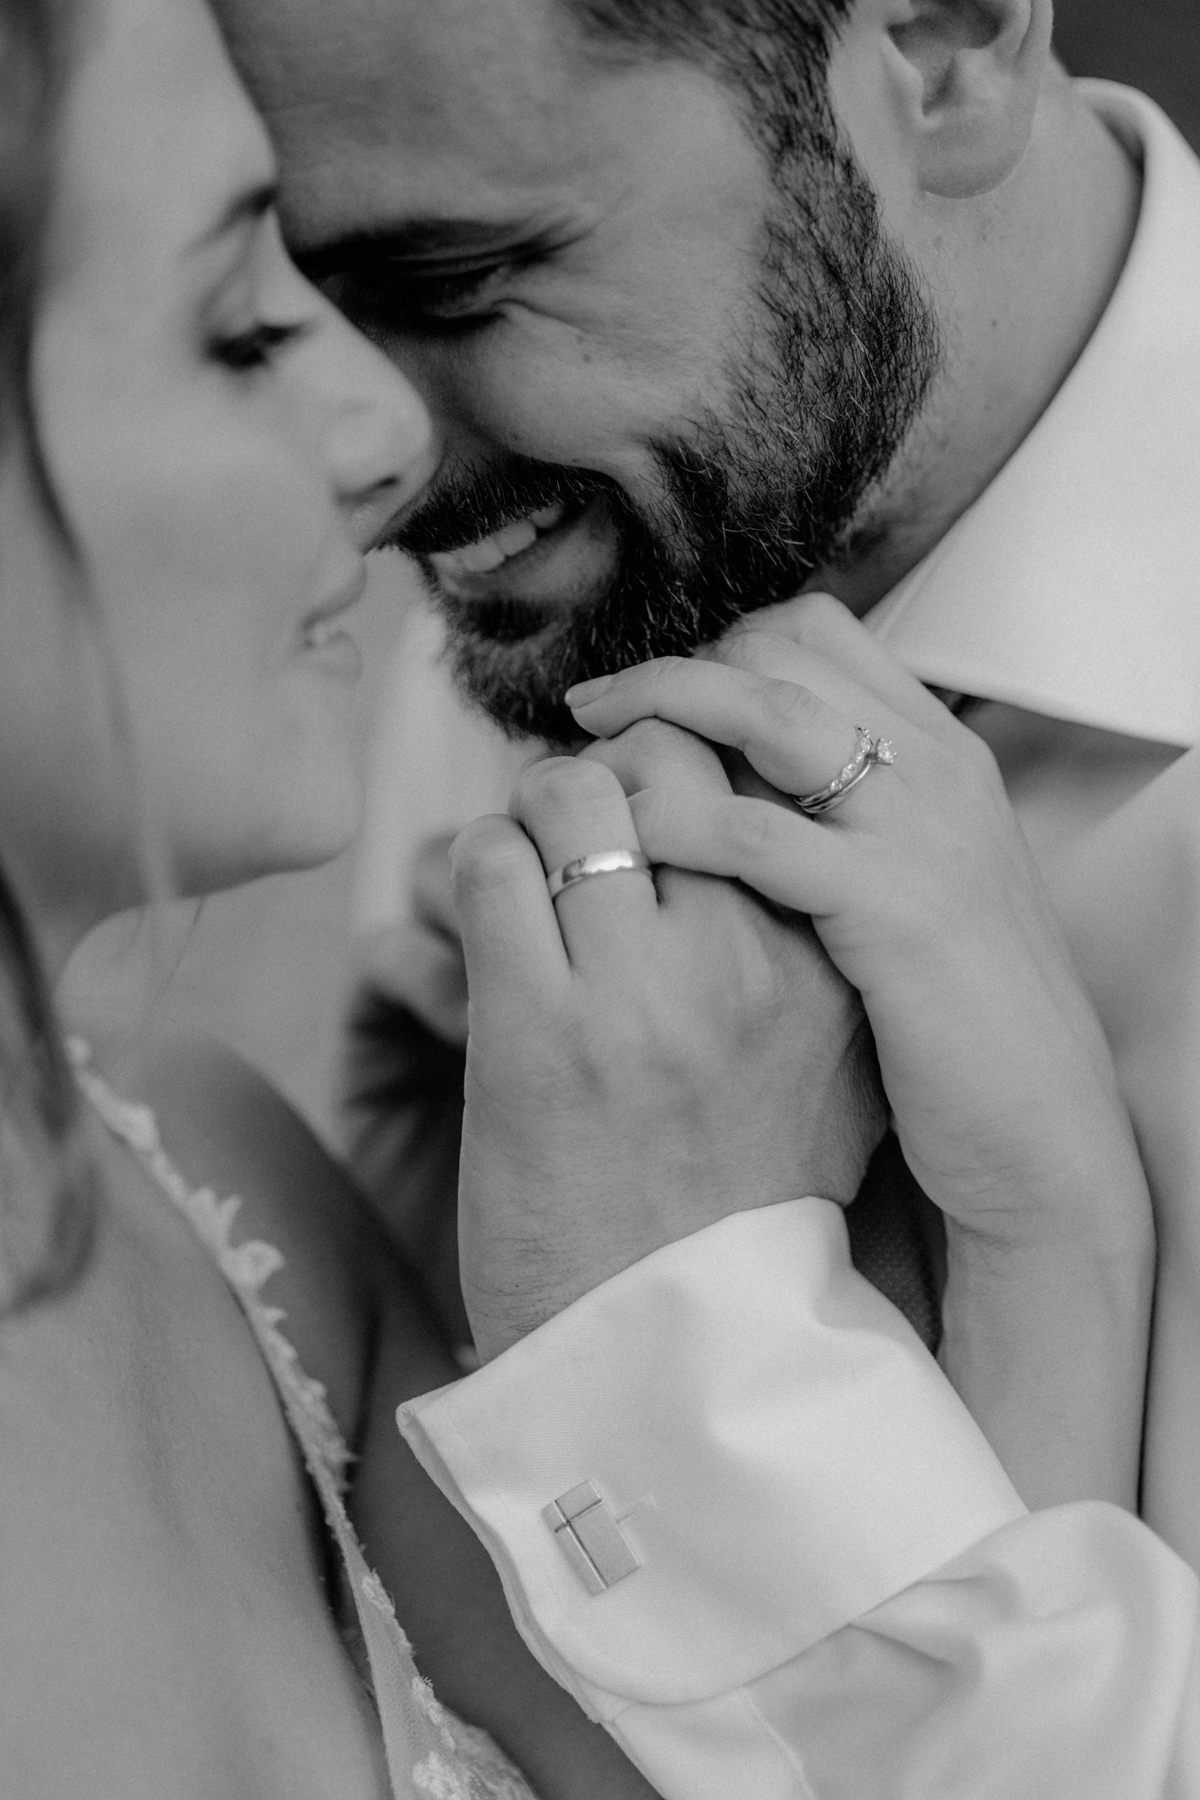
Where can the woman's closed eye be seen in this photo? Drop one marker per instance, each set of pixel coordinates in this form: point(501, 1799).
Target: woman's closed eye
point(257, 346)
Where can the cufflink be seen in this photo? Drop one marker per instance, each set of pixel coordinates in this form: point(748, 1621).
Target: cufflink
point(590, 1538)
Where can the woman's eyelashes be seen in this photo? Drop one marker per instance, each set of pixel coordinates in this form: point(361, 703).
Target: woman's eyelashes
point(257, 346)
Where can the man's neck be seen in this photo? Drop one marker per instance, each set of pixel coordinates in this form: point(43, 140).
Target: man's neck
point(1023, 290)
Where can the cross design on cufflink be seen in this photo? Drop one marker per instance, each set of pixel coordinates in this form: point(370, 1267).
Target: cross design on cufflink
point(590, 1538)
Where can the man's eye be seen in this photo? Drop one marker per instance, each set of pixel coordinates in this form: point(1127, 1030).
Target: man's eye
point(449, 296)
point(462, 300)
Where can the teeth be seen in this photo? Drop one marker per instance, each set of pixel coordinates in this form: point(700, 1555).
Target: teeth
point(480, 558)
point(490, 552)
point(515, 538)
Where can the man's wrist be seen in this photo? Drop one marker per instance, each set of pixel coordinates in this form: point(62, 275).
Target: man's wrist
point(852, 1444)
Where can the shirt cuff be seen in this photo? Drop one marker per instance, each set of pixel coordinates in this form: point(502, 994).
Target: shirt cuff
point(774, 1445)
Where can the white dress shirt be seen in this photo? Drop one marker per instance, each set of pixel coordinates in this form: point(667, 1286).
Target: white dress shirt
point(814, 1578)
point(822, 1585)
point(1072, 588)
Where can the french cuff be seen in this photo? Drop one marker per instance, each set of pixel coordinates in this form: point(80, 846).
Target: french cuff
point(711, 1462)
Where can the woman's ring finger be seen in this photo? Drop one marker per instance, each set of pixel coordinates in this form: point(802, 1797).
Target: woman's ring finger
point(869, 753)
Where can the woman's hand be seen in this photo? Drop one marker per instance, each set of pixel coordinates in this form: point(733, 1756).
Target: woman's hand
point(922, 890)
point(645, 1057)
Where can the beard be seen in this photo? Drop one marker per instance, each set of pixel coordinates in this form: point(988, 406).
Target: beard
point(750, 503)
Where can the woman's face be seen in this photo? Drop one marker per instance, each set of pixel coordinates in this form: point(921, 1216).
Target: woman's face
point(224, 448)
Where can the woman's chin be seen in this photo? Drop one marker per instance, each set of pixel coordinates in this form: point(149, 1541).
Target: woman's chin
point(296, 838)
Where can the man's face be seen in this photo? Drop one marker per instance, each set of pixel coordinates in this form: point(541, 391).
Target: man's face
point(664, 379)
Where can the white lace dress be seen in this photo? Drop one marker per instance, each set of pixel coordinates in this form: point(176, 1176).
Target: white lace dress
point(431, 1755)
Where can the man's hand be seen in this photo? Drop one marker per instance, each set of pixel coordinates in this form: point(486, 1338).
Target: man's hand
point(923, 891)
point(644, 1060)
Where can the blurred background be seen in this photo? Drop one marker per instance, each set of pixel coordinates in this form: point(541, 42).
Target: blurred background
point(267, 968)
point(1151, 44)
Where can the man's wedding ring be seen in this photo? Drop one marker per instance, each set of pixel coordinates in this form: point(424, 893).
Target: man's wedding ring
point(604, 862)
point(867, 752)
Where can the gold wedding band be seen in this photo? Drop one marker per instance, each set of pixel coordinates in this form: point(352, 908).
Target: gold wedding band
point(603, 862)
point(867, 753)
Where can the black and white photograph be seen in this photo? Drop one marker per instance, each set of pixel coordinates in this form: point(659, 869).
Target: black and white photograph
point(599, 900)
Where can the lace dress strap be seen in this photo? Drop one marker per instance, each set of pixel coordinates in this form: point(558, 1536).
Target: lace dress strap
point(429, 1751)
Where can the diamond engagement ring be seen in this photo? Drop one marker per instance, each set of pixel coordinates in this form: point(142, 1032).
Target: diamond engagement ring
point(867, 752)
point(603, 862)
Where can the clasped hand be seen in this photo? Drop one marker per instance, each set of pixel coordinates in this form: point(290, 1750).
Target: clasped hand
point(920, 887)
point(645, 1057)
point(660, 1055)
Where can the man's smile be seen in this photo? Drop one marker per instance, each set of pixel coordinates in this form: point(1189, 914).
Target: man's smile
point(486, 554)
point(552, 559)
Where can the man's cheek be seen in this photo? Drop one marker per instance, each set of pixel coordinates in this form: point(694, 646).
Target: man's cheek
point(547, 392)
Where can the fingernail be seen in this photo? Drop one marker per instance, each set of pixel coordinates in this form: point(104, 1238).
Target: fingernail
point(584, 692)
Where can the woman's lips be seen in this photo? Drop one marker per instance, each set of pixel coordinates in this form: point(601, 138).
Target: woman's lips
point(323, 641)
point(338, 654)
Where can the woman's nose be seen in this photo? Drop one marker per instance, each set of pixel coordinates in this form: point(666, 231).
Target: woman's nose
point(380, 446)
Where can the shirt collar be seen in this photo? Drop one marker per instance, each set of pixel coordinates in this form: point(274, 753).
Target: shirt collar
point(1071, 586)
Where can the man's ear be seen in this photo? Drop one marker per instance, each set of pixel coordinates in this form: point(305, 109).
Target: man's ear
point(970, 72)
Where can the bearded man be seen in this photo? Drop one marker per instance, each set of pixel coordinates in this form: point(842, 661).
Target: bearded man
point(715, 301)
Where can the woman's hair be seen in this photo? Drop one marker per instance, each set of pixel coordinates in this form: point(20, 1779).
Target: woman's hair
point(45, 1187)
point(27, 85)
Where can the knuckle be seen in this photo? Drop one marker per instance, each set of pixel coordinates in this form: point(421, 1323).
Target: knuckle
point(653, 742)
point(663, 673)
point(654, 751)
point(638, 1041)
point(809, 619)
point(488, 855)
point(650, 734)
point(819, 612)
point(602, 750)
point(787, 704)
point(747, 647)
point(563, 783)
point(608, 1052)
point(752, 830)
point(475, 838)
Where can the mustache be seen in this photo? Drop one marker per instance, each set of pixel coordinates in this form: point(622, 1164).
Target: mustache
point(467, 505)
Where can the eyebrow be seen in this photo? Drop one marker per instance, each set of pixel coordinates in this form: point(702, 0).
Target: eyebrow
point(245, 208)
point(418, 241)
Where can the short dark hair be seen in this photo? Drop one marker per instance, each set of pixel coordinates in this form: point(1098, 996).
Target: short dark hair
point(773, 53)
